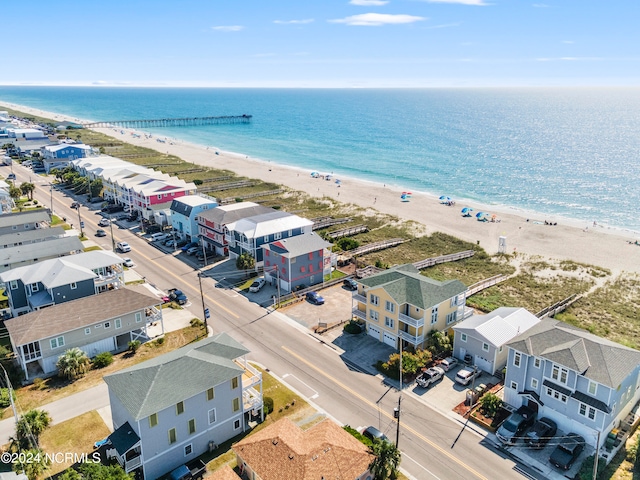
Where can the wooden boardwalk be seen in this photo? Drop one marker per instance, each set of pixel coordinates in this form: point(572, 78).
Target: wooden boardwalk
point(325, 222)
point(452, 257)
point(486, 283)
point(347, 232)
point(171, 122)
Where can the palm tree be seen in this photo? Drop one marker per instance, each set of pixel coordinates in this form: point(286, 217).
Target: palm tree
point(27, 189)
point(34, 463)
point(386, 462)
point(245, 261)
point(73, 363)
point(29, 427)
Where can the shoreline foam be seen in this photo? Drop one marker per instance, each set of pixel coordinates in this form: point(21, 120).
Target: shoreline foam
point(571, 239)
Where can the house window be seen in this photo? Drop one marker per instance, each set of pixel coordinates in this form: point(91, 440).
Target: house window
point(153, 420)
point(453, 302)
point(374, 299)
point(390, 306)
point(118, 323)
point(138, 317)
point(192, 426)
point(517, 357)
point(210, 394)
point(310, 268)
point(73, 285)
point(388, 322)
point(265, 239)
point(534, 383)
point(536, 363)
point(87, 331)
point(172, 436)
point(452, 317)
point(463, 337)
point(13, 284)
point(179, 408)
point(236, 425)
point(159, 197)
point(291, 233)
point(557, 395)
point(560, 374)
point(234, 382)
point(434, 315)
point(277, 235)
point(188, 450)
point(485, 347)
point(57, 342)
point(212, 416)
point(310, 255)
point(107, 324)
point(373, 315)
point(302, 269)
point(514, 386)
point(587, 411)
point(593, 388)
point(34, 287)
point(236, 404)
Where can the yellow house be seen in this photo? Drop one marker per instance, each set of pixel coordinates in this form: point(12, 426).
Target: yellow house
point(399, 303)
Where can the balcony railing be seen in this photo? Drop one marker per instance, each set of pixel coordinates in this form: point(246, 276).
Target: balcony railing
point(413, 339)
point(152, 315)
point(132, 464)
point(251, 400)
point(414, 322)
point(360, 314)
point(359, 298)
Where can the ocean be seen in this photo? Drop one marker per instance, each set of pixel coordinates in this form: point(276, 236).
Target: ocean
point(567, 153)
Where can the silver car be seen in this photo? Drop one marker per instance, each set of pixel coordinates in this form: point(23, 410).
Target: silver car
point(466, 375)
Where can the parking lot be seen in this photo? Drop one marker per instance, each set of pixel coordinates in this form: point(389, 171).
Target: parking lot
point(336, 309)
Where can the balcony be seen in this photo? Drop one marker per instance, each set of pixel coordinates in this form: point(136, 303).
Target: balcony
point(414, 322)
point(412, 339)
point(359, 314)
point(152, 315)
point(251, 377)
point(132, 463)
point(359, 298)
point(251, 400)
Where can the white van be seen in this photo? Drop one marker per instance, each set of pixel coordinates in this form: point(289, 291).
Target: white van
point(158, 237)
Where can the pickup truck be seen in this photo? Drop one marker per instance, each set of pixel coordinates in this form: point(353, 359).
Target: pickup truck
point(191, 470)
point(177, 296)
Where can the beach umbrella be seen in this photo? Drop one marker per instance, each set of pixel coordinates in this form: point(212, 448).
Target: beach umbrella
point(480, 214)
point(467, 210)
point(443, 197)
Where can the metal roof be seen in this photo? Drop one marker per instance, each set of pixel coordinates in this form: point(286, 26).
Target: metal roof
point(499, 326)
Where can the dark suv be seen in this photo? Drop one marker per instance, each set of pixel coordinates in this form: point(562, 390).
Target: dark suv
point(515, 425)
point(543, 430)
point(566, 453)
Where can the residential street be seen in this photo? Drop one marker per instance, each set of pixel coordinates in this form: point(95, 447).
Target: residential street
point(307, 363)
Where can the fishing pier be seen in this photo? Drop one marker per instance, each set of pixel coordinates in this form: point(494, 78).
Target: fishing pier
point(172, 122)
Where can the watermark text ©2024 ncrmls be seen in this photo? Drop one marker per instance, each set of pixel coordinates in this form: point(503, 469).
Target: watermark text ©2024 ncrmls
point(51, 458)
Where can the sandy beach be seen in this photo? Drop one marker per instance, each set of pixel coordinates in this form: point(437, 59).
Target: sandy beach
point(570, 240)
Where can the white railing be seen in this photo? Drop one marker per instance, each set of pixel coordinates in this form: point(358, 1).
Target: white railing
point(414, 322)
point(360, 314)
point(413, 339)
point(359, 298)
point(132, 464)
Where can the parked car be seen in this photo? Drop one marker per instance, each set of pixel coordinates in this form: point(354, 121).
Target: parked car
point(515, 425)
point(177, 296)
point(543, 430)
point(200, 255)
point(160, 237)
point(75, 205)
point(448, 363)
point(150, 228)
point(193, 250)
point(112, 208)
point(466, 375)
point(187, 245)
point(11, 176)
point(430, 376)
point(350, 284)
point(257, 285)
point(566, 453)
point(101, 233)
point(315, 298)
point(124, 247)
point(104, 222)
point(127, 262)
point(373, 434)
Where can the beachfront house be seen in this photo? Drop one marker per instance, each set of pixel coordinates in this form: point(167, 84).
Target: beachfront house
point(212, 223)
point(59, 156)
point(297, 262)
point(399, 303)
point(180, 405)
point(60, 280)
point(23, 221)
point(284, 450)
point(184, 215)
point(586, 384)
point(7, 204)
point(15, 256)
point(484, 337)
point(93, 324)
point(26, 133)
point(249, 234)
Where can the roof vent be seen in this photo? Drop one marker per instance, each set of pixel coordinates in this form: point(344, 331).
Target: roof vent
point(275, 441)
point(290, 456)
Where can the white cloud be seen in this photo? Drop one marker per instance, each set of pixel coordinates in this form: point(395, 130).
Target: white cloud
point(479, 3)
point(444, 25)
point(569, 42)
point(377, 19)
point(368, 3)
point(228, 28)
point(293, 22)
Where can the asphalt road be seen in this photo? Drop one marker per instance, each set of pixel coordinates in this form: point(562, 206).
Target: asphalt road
point(311, 367)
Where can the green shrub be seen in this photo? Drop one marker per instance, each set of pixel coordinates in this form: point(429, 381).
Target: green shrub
point(102, 360)
point(490, 403)
point(5, 401)
point(632, 451)
point(134, 345)
point(352, 327)
point(586, 469)
point(196, 322)
point(160, 340)
point(268, 405)
point(197, 182)
point(347, 243)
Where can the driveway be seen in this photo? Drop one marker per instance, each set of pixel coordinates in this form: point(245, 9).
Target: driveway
point(336, 309)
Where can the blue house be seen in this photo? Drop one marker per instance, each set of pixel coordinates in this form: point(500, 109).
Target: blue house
point(184, 214)
point(586, 384)
point(59, 156)
point(249, 234)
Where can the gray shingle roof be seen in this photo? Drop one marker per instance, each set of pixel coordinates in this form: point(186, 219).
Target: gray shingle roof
point(68, 316)
point(20, 218)
point(40, 250)
point(124, 438)
point(299, 245)
point(161, 382)
point(596, 358)
point(405, 285)
point(28, 236)
point(231, 213)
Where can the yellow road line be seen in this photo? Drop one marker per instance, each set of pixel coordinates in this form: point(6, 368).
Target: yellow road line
point(373, 405)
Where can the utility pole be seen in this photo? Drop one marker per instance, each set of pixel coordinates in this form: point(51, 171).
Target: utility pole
point(396, 411)
point(10, 391)
point(51, 193)
point(80, 222)
point(595, 458)
point(113, 241)
point(204, 309)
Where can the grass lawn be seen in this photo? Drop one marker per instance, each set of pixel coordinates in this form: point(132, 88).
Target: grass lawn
point(75, 436)
point(54, 388)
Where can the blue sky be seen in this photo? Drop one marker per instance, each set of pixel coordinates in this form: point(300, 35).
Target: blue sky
point(323, 43)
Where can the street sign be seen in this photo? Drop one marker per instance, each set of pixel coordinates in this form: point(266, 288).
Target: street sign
point(206, 313)
point(81, 224)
